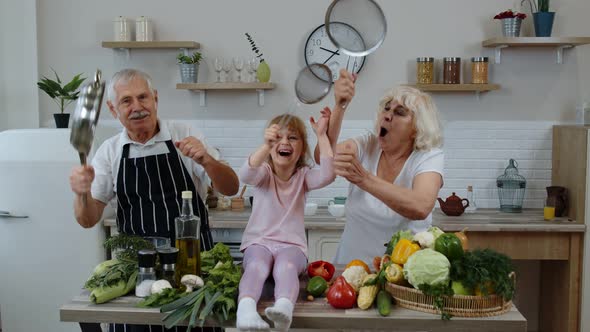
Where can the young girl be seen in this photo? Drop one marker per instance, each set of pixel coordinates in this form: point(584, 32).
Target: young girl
point(274, 239)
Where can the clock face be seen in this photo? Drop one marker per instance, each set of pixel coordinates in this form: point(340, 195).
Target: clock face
point(320, 49)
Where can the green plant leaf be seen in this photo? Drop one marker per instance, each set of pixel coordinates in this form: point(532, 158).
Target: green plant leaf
point(57, 77)
point(74, 84)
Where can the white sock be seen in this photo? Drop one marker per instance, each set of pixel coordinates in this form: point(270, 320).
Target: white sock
point(281, 314)
point(248, 318)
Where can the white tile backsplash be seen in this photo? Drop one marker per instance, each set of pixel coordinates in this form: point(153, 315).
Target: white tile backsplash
point(476, 153)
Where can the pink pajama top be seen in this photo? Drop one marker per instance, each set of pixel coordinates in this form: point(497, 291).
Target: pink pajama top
point(277, 213)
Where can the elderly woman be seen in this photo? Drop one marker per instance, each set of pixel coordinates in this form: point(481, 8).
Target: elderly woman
point(395, 174)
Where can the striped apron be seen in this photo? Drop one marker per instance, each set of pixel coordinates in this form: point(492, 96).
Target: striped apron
point(149, 199)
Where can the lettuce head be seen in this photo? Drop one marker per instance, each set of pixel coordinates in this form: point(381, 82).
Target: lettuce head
point(427, 267)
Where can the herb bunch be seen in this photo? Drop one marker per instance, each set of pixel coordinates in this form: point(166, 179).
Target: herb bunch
point(482, 267)
point(127, 245)
point(216, 299)
point(438, 292)
point(255, 48)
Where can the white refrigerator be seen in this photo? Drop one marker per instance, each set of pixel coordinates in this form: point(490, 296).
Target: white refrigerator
point(46, 257)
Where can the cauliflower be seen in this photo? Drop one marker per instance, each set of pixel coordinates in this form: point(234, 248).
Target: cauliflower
point(354, 275)
point(426, 239)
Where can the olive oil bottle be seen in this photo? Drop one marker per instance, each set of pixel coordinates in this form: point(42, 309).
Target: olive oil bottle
point(188, 239)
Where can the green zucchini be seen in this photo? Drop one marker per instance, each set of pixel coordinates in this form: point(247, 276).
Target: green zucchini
point(384, 303)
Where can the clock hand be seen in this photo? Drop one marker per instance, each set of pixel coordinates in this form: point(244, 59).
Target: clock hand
point(328, 59)
point(327, 50)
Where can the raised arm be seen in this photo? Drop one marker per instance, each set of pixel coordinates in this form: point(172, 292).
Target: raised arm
point(343, 94)
point(223, 178)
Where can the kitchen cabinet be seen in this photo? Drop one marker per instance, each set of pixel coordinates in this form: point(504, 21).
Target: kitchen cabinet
point(559, 43)
point(322, 244)
point(571, 169)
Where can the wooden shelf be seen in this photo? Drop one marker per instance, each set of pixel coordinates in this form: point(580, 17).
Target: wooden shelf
point(559, 43)
point(535, 41)
point(151, 44)
point(202, 88)
point(456, 87)
point(226, 86)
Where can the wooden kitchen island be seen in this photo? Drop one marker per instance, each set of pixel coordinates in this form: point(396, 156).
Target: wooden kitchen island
point(557, 244)
point(307, 315)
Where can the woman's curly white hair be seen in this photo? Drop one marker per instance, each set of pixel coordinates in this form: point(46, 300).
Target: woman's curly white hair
point(426, 117)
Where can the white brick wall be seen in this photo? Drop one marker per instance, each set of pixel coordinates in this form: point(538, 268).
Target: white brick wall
point(476, 153)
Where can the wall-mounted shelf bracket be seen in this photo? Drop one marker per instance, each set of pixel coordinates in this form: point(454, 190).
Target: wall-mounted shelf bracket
point(498, 53)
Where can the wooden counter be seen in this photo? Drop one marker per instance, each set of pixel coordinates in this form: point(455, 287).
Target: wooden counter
point(317, 315)
point(557, 244)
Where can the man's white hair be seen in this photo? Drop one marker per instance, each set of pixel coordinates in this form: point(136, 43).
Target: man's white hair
point(124, 76)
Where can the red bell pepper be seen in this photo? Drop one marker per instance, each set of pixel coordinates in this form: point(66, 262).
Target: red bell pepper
point(341, 295)
point(321, 268)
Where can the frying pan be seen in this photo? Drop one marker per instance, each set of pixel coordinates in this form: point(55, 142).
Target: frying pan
point(86, 117)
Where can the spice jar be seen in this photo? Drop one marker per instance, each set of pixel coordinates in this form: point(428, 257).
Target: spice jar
point(425, 70)
point(168, 258)
point(452, 70)
point(146, 260)
point(479, 70)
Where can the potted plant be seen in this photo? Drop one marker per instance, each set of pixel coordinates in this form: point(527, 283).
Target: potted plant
point(542, 17)
point(263, 70)
point(511, 22)
point(189, 67)
point(62, 95)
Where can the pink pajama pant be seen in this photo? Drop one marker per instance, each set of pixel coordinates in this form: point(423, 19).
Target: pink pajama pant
point(286, 262)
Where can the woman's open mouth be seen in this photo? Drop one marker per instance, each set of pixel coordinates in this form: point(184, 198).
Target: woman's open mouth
point(382, 132)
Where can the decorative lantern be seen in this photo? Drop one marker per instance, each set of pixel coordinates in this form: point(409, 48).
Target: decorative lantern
point(511, 187)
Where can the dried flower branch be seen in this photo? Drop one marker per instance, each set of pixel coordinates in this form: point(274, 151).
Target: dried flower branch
point(255, 48)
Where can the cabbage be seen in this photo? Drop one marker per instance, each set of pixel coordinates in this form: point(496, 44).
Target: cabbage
point(427, 267)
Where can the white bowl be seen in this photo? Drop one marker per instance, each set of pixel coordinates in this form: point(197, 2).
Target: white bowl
point(310, 209)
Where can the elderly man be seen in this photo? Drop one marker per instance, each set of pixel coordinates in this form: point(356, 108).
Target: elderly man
point(147, 166)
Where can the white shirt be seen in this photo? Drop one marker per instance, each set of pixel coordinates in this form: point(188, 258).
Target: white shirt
point(108, 157)
point(369, 222)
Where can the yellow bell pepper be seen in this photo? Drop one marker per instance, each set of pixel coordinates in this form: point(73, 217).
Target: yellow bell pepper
point(403, 250)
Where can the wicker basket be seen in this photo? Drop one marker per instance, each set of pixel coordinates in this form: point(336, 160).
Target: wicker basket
point(456, 305)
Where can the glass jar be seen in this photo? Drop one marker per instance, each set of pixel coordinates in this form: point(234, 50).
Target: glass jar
point(425, 70)
point(452, 70)
point(146, 260)
point(479, 70)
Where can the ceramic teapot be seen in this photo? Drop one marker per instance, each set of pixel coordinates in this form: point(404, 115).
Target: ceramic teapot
point(453, 205)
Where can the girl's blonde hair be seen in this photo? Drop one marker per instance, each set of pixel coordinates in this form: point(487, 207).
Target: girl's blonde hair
point(426, 116)
point(295, 124)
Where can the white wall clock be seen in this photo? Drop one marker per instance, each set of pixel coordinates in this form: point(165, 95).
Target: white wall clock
point(320, 49)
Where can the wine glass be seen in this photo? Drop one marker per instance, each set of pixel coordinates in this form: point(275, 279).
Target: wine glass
point(226, 68)
point(218, 65)
point(239, 65)
point(252, 67)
